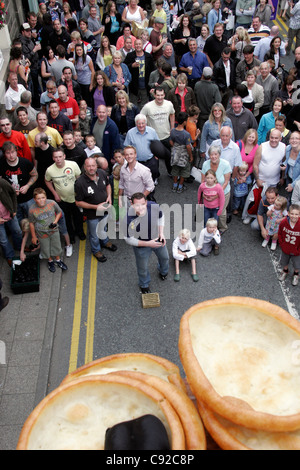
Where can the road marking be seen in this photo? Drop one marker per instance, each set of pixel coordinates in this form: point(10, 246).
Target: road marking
point(285, 290)
point(77, 309)
point(89, 345)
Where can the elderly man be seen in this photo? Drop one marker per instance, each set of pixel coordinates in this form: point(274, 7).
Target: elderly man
point(93, 195)
point(193, 63)
point(142, 137)
point(230, 152)
point(8, 210)
point(242, 119)
point(270, 86)
point(145, 233)
point(268, 159)
point(106, 133)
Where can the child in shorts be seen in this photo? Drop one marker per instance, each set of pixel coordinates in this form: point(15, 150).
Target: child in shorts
point(43, 217)
point(275, 215)
point(181, 153)
point(289, 241)
point(183, 249)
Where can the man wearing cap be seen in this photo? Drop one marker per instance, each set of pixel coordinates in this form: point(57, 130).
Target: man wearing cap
point(207, 93)
point(193, 63)
point(248, 63)
point(30, 51)
point(156, 38)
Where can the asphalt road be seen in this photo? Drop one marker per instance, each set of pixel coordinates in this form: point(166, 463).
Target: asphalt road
point(100, 309)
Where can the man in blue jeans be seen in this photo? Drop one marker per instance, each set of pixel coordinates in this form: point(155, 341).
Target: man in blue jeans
point(145, 233)
point(93, 195)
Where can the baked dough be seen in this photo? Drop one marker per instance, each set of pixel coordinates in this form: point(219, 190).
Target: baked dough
point(75, 416)
point(239, 357)
point(135, 362)
point(231, 436)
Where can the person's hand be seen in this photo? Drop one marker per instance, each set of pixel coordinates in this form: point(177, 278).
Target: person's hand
point(24, 189)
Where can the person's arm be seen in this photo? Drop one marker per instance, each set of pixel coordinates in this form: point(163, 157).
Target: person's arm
point(92, 69)
point(172, 121)
point(227, 179)
point(51, 188)
point(256, 162)
point(31, 181)
point(33, 234)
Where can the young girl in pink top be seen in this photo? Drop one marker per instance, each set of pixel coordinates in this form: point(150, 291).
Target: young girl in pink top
point(211, 194)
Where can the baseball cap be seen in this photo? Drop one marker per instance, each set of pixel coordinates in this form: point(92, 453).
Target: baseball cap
point(26, 26)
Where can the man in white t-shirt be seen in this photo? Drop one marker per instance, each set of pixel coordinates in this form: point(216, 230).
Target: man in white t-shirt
point(13, 94)
point(268, 159)
point(160, 115)
point(60, 179)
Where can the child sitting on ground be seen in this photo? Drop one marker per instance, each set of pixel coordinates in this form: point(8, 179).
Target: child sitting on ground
point(240, 188)
point(91, 147)
point(275, 215)
point(181, 153)
point(183, 248)
point(289, 241)
point(213, 196)
point(209, 238)
point(44, 215)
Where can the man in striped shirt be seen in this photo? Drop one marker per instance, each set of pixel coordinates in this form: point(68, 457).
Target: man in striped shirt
point(258, 31)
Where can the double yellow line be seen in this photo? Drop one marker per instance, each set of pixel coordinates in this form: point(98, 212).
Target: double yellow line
point(282, 26)
point(90, 323)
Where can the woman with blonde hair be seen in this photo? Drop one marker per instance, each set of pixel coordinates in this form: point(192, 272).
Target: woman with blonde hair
point(248, 146)
point(118, 73)
point(211, 129)
point(123, 114)
point(238, 42)
point(67, 14)
point(133, 13)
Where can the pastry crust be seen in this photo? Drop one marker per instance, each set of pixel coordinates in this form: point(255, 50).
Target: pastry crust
point(136, 362)
point(237, 353)
point(75, 416)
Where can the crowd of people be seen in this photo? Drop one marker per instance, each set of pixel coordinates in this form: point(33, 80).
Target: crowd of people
point(98, 94)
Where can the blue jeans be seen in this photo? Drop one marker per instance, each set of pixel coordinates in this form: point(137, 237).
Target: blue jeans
point(16, 234)
point(96, 241)
point(210, 214)
point(142, 256)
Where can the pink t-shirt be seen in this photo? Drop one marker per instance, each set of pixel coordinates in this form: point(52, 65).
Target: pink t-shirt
point(247, 158)
point(215, 191)
point(4, 213)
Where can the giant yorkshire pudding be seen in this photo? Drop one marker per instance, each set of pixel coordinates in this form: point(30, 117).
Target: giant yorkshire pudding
point(76, 416)
point(240, 360)
point(135, 362)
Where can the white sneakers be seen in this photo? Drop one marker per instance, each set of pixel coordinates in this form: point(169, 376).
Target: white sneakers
point(69, 251)
point(295, 278)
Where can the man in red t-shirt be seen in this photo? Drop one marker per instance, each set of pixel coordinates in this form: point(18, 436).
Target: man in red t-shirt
point(68, 105)
point(17, 138)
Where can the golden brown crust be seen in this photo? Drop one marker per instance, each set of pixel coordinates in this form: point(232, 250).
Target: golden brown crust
point(237, 411)
point(184, 407)
point(92, 386)
point(139, 362)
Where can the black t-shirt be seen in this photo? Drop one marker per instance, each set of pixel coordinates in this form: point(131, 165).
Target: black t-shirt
point(77, 154)
point(62, 123)
point(44, 160)
point(18, 176)
point(213, 47)
point(92, 192)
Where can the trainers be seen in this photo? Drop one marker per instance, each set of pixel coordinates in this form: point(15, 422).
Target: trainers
point(69, 251)
point(61, 265)
point(274, 245)
point(145, 290)
point(247, 220)
point(295, 280)
point(265, 242)
point(174, 189)
point(283, 276)
point(51, 266)
point(179, 190)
